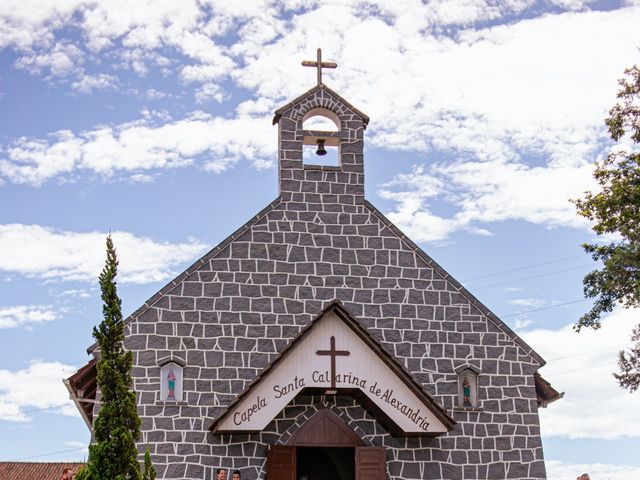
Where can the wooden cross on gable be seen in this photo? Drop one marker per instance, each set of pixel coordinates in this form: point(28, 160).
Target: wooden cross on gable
point(333, 353)
point(319, 64)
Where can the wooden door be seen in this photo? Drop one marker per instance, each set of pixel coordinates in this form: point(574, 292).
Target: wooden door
point(371, 463)
point(281, 463)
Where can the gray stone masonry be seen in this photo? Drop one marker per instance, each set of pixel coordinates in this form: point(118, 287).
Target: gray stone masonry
point(230, 314)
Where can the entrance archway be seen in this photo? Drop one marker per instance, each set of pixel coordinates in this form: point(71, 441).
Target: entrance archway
point(325, 447)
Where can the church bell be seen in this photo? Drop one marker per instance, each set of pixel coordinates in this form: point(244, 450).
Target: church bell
point(321, 151)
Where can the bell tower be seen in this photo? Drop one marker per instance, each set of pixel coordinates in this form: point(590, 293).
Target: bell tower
point(300, 179)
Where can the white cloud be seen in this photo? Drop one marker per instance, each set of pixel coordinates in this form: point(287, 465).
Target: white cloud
point(527, 302)
point(46, 253)
point(141, 178)
point(486, 192)
point(88, 83)
point(140, 146)
point(153, 94)
point(505, 106)
point(521, 323)
point(39, 387)
point(61, 60)
point(26, 315)
point(80, 446)
point(557, 470)
point(581, 365)
point(28, 23)
point(190, 26)
point(71, 292)
point(209, 92)
point(76, 443)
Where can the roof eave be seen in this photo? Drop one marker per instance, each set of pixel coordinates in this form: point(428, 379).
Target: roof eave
point(462, 290)
point(196, 265)
point(278, 113)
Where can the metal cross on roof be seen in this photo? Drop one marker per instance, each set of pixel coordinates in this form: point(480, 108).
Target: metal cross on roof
point(319, 64)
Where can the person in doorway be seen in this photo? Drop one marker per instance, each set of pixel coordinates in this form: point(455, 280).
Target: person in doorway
point(67, 474)
point(236, 475)
point(221, 474)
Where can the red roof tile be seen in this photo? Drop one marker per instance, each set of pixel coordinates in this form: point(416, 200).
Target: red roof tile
point(35, 470)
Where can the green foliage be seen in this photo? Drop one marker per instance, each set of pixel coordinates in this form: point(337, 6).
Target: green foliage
point(615, 211)
point(149, 470)
point(116, 429)
point(83, 474)
point(629, 375)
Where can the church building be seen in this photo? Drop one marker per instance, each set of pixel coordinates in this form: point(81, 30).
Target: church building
point(319, 342)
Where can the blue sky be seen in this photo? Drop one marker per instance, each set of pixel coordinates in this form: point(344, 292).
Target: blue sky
point(153, 120)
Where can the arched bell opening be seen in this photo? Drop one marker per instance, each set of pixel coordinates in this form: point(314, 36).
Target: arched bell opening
point(321, 119)
point(321, 138)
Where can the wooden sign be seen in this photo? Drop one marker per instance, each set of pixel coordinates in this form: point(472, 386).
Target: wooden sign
point(333, 357)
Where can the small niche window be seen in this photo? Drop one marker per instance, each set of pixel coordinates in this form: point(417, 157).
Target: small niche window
point(171, 382)
point(467, 387)
point(321, 138)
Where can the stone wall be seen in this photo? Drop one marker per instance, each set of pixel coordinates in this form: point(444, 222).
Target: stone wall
point(230, 314)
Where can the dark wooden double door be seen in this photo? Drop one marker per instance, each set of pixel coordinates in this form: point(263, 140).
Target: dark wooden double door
point(369, 463)
point(325, 448)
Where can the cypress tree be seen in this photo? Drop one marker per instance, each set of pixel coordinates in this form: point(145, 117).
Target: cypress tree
point(113, 455)
point(149, 469)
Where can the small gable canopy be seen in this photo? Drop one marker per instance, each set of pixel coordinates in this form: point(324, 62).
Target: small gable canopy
point(334, 354)
point(545, 393)
point(82, 387)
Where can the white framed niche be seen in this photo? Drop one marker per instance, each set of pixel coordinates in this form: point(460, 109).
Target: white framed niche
point(468, 387)
point(172, 379)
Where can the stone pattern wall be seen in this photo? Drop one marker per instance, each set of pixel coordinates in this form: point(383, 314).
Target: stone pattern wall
point(300, 183)
point(231, 315)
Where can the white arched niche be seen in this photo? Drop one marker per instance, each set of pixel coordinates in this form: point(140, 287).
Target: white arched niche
point(467, 386)
point(171, 380)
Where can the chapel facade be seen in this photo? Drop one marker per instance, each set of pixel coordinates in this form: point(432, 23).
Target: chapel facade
point(318, 341)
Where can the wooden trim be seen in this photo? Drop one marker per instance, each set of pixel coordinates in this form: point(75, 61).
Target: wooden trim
point(336, 307)
point(281, 462)
point(371, 463)
point(325, 429)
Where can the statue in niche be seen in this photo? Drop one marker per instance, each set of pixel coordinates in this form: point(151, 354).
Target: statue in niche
point(171, 383)
point(466, 392)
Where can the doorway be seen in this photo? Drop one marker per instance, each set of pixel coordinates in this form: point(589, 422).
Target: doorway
point(321, 463)
point(325, 448)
